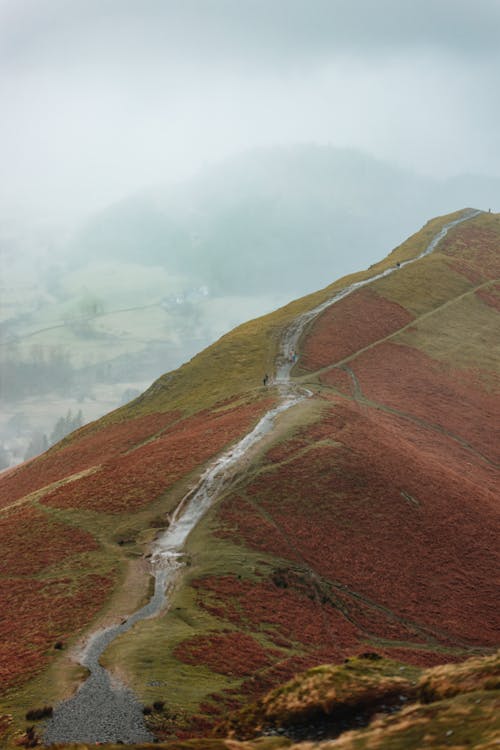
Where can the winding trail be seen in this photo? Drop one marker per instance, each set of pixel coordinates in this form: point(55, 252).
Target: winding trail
point(104, 710)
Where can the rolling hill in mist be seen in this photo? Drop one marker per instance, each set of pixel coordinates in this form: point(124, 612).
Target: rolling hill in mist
point(365, 520)
point(150, 281)
point(276, 221)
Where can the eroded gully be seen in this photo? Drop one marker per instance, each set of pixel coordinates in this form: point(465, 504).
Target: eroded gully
point(103, 709)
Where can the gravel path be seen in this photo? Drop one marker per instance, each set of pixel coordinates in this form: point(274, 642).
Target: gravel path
point(101, 710)
point(98, 713)
point(105, 711)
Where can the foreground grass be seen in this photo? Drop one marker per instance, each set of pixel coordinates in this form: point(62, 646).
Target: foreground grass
point(404, 708)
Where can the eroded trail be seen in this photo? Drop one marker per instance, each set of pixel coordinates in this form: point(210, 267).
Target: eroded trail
point(104, 710)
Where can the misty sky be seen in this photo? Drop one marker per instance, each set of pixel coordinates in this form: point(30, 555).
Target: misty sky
point(101, 98)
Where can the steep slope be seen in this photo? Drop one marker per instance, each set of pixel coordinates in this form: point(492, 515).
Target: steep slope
point(368, 516)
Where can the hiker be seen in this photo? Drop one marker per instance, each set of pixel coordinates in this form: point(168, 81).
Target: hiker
point(398, 264)
point(266, 378)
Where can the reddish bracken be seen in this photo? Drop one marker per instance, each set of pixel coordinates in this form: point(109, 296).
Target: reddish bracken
point(31, 541)
point(419, 657)
point(476, 246)
point(439, 448)
point(346, 327)
point(133, 480)
point(410, 381)
point(389, 522)
point(467, 269)
point(286, 615)
point(232, 653)
point(44, 612)
point(90, 448)
point(282, 671)
point(339, 379)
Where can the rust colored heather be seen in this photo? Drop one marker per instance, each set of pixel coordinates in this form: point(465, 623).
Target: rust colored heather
point(284, 451)
point(30, 541)
point(43, 612)
point(298, 615)
point(338, 379)
point(241, 522)
point(419, 657)
point(388, 521)
point(90, 448)
point(346, 327)
point(138, 478)
point(474, 245)
point(437, 448)
point(469, 270)
point(282, 671)
point(231, 653)
point(406, 379)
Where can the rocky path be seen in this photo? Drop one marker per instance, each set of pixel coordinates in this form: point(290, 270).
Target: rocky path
point(104, 710)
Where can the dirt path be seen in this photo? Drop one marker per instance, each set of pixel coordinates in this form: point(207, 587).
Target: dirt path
point(106, 711)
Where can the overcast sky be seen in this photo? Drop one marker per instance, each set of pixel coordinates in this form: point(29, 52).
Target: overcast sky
point(100, 98)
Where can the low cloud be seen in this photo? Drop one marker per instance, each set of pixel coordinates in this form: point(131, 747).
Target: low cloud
point(106, 97)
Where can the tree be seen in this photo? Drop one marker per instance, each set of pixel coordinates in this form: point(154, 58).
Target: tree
point(65, 425)
point(4, 458)
point(38, 444)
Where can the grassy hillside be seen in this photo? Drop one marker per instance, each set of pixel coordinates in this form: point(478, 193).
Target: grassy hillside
point(355, 530)
point(367, 521)
point(366, 703)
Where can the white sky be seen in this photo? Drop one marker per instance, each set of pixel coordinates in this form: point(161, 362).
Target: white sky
point(100, 98)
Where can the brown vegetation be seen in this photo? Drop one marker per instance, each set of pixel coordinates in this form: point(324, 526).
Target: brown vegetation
point(350, 325)
point(128, 482)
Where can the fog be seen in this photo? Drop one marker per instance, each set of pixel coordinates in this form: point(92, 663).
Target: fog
point(104, 97)
point(169, 170)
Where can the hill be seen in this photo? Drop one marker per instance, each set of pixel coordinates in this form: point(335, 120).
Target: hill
point(365, 519)
point(149, 281)
point(245, 226)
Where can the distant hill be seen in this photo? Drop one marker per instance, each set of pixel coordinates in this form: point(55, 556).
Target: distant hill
point(281, 220)
point(367, 520)
point(151, 280)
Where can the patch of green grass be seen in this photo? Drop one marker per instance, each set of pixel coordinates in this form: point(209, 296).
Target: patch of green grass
point(61, 678)
point(419, 241)
point(447, 680)
point(423, 286)
point(144, 655)
point(441, 335)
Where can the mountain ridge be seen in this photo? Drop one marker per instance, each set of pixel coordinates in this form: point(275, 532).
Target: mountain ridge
point(324, 432)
